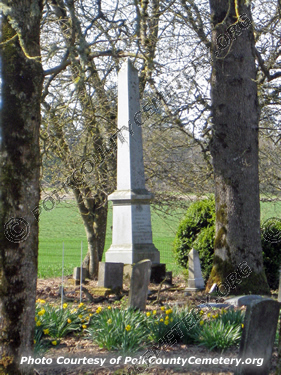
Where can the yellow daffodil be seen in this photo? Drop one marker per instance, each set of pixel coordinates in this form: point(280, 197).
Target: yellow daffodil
point(242, 325)
point(201, 322)
point(201, 312)
point(41, 312)
point(98, 310)
point(148, 313)
point(166, 322)
point(80, 305)
point(166, 317)
point(128, 328)
point(209, 315)
point(109, 321)
point(80, 316)
point(54, 343)
point(38, 324)
point(162, 308)
point(84, 326)
point(73, 311)
point(161, 320)
point(109, 307)
point(154, 312)
point(68, 320)
point(64, 306)
point(42, 301)
point(90, 314)
point(87, 318)
point(46, 331)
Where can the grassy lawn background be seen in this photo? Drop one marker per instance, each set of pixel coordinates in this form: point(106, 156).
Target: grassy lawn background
point(64, 224)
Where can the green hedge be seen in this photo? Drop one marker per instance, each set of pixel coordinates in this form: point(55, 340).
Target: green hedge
point(197, 230)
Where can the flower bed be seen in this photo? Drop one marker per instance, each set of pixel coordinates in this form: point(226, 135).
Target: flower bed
point(128, 330)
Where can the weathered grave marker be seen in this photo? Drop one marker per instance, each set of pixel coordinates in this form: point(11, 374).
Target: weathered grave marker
point(139, 284)
point(258, 336)
point(77, 274)
point(110, 275)
point(195, 279)
point(131, 233)
point(246, 300)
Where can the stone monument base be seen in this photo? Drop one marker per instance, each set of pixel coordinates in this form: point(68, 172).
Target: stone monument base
point(129, 254)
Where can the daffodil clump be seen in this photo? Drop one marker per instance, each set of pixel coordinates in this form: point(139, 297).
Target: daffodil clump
point(52, 323)
point(126, 330)
point(129, 330)
point(220, 329)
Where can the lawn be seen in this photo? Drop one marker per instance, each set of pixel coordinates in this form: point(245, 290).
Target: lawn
point(63, 224)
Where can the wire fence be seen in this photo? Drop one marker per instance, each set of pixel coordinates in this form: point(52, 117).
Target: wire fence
point(51, 260)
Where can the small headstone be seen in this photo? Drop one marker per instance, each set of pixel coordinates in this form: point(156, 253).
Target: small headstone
point(195, 279)
point(110, 275)
point(213, 288)
point(258, 336)
point(239, 301)
point(76, 273)
point(158, 273)
point(139, 284)
point(279, 290)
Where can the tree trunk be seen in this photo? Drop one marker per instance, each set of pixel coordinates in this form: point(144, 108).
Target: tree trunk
point(234, 148)
point(22, 79)
point(93, 211)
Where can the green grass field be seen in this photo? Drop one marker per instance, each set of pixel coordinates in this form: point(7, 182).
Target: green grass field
point(63, 224)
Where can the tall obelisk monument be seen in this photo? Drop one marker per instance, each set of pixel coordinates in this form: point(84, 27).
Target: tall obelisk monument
point(131, 234)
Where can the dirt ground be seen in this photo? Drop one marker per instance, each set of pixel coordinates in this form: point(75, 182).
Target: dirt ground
point(77, 347)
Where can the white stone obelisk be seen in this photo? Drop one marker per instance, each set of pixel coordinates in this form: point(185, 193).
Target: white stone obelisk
point(131, 233)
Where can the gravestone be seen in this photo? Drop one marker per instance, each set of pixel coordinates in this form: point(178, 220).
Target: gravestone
point(131, 232)
point(195, 279)
point(258, 336)
point(110, 275)
point(158, 273)
point(239, 301)
point(139, 284)
point(77, 274)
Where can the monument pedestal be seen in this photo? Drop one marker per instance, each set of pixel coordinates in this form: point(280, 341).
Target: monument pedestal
point(131, 233)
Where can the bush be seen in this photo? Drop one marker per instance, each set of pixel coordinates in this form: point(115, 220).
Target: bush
point(197, 231)
point(271, 250)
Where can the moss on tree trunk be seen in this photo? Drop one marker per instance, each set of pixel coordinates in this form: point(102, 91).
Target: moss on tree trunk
point(234, 148)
